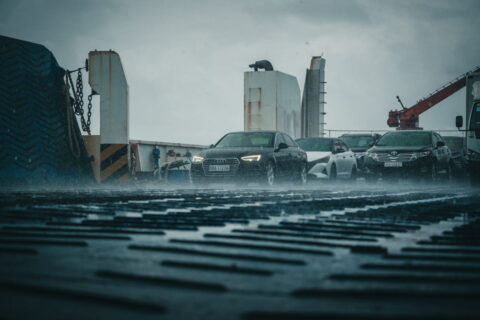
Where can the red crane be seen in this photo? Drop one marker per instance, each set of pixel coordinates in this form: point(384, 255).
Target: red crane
point(407, 118)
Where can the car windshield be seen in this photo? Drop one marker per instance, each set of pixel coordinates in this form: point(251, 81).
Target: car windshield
point(246, 139)
point(405, 139)
point(454, 143)
point(475, 123)
point(357, 141)
point(315, 144)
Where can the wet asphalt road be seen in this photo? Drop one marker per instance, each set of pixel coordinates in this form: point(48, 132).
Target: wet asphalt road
point(320, 252)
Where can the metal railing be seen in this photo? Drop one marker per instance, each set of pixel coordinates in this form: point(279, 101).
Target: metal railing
point(339, 132)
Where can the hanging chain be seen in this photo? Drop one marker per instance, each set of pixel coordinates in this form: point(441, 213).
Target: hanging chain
point(78, 101)
point(79, 89)
point(89, 113)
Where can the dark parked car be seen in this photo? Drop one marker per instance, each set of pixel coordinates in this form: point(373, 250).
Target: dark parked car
point(414, 153)
point(458, 159)
point(359, 143)
point(251, 156)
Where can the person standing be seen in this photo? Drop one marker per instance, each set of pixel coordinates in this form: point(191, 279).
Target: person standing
point(156, 162)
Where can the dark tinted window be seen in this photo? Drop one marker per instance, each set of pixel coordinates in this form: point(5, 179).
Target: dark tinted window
point(289, 141)
point(315, 144)
point(340, 146)
point(279, 140)
point(246, 139)
point(454, 143)
point(435, 139)
point(405, 139)
point(475, 123)
point(439, 137)
point(357, 141)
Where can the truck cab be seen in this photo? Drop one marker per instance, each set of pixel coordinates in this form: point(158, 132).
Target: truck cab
point(472, 127)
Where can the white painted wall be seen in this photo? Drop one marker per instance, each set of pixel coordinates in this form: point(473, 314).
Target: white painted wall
point(271, 102)
point(107, 77)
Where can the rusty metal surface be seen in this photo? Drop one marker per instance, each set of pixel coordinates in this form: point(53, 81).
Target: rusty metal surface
point(329, 252)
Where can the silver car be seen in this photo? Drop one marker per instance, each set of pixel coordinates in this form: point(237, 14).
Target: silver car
point(328, 158)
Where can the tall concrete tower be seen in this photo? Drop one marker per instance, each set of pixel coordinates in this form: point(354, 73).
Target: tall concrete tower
point(313, 101)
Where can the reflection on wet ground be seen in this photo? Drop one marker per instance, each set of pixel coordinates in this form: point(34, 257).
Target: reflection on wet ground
point(324, 251)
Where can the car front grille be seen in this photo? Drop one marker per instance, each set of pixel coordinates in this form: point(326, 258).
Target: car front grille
point(233, 163)
point(400, 157)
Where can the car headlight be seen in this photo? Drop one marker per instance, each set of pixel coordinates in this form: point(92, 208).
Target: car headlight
point(372, 155)
point(423, 154)
point(255, 157)
point(473, 155)
point(197, 159)
point(323, 160)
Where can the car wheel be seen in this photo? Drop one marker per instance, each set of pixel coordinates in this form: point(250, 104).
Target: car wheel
point(333, 172)
point(197, 182)
point(448, 172)
point(371, 178)
point(270, 174)
point(302, 175)
point(353, 174)
point(432, 174)
point(474, 177)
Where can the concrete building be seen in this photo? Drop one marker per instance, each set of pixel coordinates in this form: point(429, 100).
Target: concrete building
point(272, 102)
point(313, 101)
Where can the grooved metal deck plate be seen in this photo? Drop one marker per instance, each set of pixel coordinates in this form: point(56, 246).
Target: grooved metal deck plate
point(318, 253)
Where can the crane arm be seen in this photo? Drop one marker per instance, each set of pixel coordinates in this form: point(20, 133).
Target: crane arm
point(408, 118)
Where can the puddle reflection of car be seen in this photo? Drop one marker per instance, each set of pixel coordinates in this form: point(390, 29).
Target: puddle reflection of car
point(252, 156)
point(408, 154)
point(458, 160)
point(328, 158)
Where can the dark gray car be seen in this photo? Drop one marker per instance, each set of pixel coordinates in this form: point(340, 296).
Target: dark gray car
point(251, 156)
point(411, 153)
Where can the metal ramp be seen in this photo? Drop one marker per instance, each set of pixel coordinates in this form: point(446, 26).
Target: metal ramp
point(240, 254)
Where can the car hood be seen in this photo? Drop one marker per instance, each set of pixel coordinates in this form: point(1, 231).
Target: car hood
point(362, 149)
point(232, 152)
point(315, 155)
point(398, 149)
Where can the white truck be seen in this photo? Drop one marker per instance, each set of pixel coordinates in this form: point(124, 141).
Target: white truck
point(472, 127)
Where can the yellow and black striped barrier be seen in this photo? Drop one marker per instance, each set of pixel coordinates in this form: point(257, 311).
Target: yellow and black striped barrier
point(114, 162)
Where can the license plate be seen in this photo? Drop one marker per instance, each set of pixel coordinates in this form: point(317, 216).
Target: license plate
point(219, 168)
point(393, 164)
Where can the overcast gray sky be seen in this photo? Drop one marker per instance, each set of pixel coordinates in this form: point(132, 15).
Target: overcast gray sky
point(184, 60)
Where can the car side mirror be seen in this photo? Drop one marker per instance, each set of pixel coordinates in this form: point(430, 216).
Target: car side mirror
point(211, 146)
point(282, 145)
point(440, 144)
point(459, 122)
